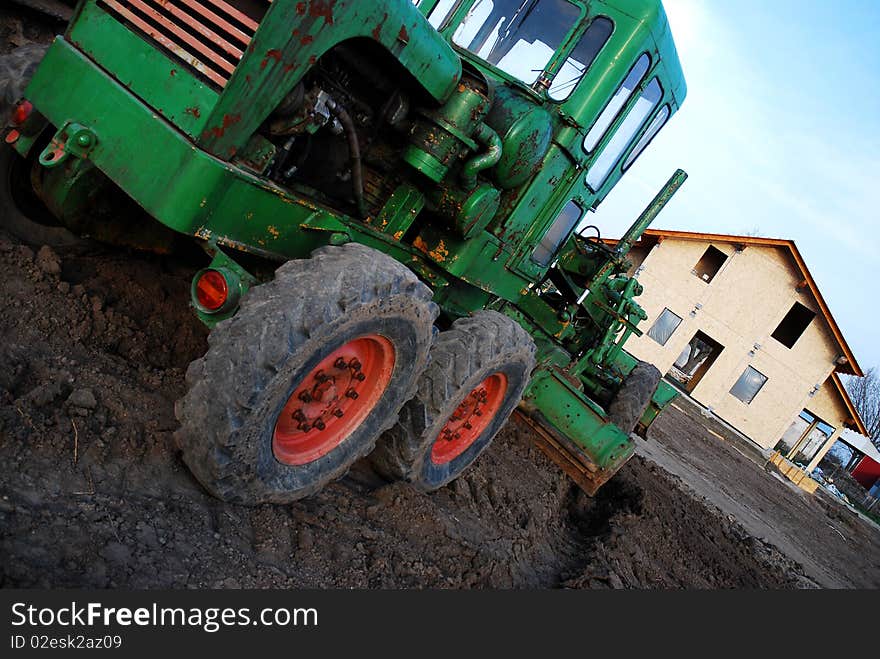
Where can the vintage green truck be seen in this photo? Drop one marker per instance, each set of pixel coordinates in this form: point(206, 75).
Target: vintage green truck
point(392, 199)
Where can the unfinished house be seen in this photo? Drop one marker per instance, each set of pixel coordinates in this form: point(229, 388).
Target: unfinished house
point(738, 324)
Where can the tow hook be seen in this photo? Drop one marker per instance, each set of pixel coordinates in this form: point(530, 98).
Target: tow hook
point(71, 139)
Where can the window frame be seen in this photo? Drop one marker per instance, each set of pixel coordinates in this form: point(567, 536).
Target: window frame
point(588, 66)
point(623, 108)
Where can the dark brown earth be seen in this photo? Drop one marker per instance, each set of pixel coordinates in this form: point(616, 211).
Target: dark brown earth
point(93, 348)
point(93, 493)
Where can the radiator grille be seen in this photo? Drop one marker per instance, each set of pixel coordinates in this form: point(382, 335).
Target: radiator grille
point(211, 36)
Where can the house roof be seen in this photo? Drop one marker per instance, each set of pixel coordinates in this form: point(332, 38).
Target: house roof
point(851, 366)
point(861, 443)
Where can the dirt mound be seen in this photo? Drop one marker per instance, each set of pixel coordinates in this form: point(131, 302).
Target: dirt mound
point(94, 349)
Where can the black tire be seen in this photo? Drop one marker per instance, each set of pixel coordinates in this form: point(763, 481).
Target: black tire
point(22, 215)
point(258, 358)
point(473, 349)
point(634, 396)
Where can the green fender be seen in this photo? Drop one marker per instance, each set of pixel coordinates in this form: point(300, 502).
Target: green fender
point(294, 34)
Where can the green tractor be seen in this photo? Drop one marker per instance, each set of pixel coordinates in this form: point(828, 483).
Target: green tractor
point(391, 197)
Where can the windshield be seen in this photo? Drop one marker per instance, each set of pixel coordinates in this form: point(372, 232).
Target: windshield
point(518, 36)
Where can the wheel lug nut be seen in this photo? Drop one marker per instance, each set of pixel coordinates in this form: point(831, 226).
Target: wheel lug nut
point(299, 416)
point(478, 413)
point(355, 364)
point(467, 425)
point(305, 427)
point(319, 424)
point(338, 413)
point(457, 435)
point(339, 363)
point(360, 377)
point(305, 397)
point(351, 393)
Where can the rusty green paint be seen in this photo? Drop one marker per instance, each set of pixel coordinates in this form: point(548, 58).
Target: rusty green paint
point(494, 161)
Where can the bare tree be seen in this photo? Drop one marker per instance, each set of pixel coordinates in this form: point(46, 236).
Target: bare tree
point(865, 395)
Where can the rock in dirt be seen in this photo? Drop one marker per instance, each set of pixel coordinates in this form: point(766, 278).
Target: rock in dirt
point(48, 261)
point(84, 398)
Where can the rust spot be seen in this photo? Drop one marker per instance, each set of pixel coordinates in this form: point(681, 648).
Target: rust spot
point(295, 32)
point(173, 72)
point(289, 67)
point(322, 9)
point(306, 40)
point(420, 244)
point(228, 120)
point(194, 111)
point(274, 54)
point(312, 60)
point(232, 151)
point(300, 8)
point(403, 35)
point(377, 31)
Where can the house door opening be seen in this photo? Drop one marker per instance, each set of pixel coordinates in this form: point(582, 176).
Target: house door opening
point(804, 437)
point(694, 361)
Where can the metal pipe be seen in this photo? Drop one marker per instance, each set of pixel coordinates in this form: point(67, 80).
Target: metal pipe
point(651, 211)
point(490, 158)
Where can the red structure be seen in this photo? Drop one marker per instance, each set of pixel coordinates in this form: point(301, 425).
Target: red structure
point(867, 472)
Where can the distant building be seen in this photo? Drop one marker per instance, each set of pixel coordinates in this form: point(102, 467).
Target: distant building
point(739, 324)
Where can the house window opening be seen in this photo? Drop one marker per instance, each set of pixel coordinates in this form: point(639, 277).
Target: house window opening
point(664, 327)
point(793, 325)
point(748, 385)
point(709, 264)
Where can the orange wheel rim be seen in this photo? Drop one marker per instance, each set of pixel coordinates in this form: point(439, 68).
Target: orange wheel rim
point(470, 419)
point(333, 399)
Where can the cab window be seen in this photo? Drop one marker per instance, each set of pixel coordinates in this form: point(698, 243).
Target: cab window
point(623, 136)
point(617, 102)
point(654, 127)
point(558, 232)
point(580, 59)
point(518, 36)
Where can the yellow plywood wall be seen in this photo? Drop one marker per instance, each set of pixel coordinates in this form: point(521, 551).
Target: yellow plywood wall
point(741, 307)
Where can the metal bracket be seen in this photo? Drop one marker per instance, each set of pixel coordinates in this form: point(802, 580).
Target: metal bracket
point(72, 139)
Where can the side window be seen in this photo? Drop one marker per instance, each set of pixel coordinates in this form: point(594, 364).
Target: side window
point(629, 127)
point(621, 96)
point(653, 128)
point(580, 59)
point(441, 12)
point(562, 226)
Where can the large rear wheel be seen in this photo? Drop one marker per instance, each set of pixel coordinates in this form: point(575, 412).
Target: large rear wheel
point(301, 382)
point(476, 377)
point(22, 214)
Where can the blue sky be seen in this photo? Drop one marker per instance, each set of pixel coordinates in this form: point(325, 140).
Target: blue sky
point(780, 134)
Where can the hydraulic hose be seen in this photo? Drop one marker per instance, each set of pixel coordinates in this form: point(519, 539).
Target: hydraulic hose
point(490, 158)
point(354, 154)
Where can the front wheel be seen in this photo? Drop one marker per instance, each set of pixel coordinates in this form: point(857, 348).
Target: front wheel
point(478, 371)
point(300, 383)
